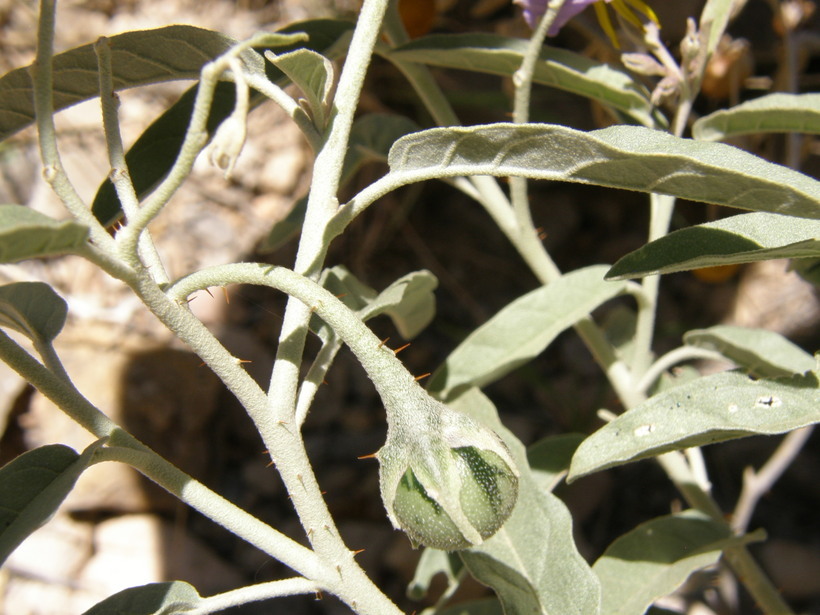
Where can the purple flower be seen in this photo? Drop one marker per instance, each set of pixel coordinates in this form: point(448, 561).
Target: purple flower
point(535, 9)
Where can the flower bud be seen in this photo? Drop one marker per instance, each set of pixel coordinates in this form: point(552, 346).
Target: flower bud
point(448, 482)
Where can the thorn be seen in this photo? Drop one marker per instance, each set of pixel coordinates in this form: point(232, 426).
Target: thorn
point(227, 296)
point(398, 350)
point(422, 377)
point(245, 361)
point(318, 594)
point(190, 300)
point(341, 296)
point(357, 551)
point(210, 294)
point(324, 382)
point(370, 456)
point(310, 533)
point(383, 342)
point(542, 234)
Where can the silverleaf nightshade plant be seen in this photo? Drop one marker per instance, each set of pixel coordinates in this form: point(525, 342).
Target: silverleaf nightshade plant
point(451, 475)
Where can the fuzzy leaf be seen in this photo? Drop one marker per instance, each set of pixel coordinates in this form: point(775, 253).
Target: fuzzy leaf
point(409, 301)
point(771, 113)
point(656, 558)
point(532, 562)
point(502, 55)
point(522, 330)
point(138, 58)
point(628, 157)
point(32, 486)
point(371, 138)
point(744, 238)
point(26, 233)
point(710, 409)
point(312, 73)
point(151, 599)
point(764, 353)
point(33, 309)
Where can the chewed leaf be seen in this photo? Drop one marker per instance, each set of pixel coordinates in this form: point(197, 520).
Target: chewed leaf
point(738, 239)
point(33, 309)
point(771, 113)
point(628, 157)
point(32, 486)
point(26, 233)
point(764, 353)
point(522, 330)
point(656, 558)
point(151, 599)
point(559, 68)
point(710, 409)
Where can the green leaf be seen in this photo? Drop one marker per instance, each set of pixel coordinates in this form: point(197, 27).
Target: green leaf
point(628, 157)
point(502, 55)
point(431, 563)
point(710, 409)
point(25, 233)
point(549, 458)
point(531, 562)
point(409, 301)
point(286, 229)
point(313, 74)
point(151, 599)
point(771, 113)
point(154, 153)
point(522, 330)
point(32, 486)
point(656, 558)
point(371, 138)
point(138, 58)
point(33, 309)
point(808, 269)
point(744, 238)
point(715, 17)
point(764, 353)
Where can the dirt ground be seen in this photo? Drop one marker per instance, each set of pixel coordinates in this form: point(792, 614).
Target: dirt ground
point(116, 531)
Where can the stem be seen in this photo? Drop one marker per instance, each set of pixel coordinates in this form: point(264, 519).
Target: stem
point(757, 484)
point(53, 170)
point(63, 393)
point(119, 175)
point(254, 593)
point(672, 358)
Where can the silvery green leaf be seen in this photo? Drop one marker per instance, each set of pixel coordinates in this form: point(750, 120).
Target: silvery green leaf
point(770, 113)
point(152, 599)
point(744, 238)
point(558, 68)
point(764, 353)
point(522, 330)
point(33, 309)
point(32, 487)
point(628, 157)
point(710, 409)
point(657, 557)
point(26, 233)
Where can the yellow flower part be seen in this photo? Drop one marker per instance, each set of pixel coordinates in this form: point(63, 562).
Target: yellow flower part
point(626, 9)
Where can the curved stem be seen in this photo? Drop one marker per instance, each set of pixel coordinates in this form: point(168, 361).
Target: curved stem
point(254, 593)
point(672, 358)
